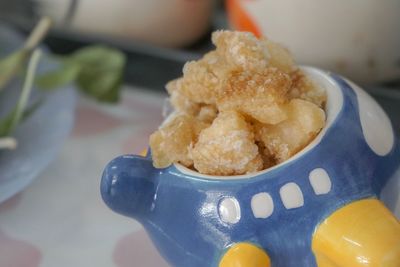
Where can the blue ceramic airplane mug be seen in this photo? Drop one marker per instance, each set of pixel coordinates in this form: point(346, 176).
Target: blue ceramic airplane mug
point(320, 208)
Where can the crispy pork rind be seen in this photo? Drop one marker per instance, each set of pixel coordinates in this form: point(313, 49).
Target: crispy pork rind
point(207, 114)
point(241, 108)
point(283, 140)
point(172, 141)
point(241, 50)
point(304, 88)
point(260, 95)
point(227, 147)
point(200, 79)
point(179, 101)
point(280, 57)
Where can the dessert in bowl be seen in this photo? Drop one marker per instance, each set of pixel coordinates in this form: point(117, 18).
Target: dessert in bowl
point(320, 207)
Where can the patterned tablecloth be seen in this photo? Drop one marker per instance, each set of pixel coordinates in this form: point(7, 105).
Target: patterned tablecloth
point(60, 219)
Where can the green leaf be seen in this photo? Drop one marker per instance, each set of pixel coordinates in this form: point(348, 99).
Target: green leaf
point(10, 122)
point(31, 109)
point(97, 70)
point(6, 122)
point(65, 74)
point(10, 65)
point(101, 72)
point(13, 63)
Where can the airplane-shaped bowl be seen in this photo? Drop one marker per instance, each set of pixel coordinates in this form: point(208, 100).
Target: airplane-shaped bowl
point(320, 208)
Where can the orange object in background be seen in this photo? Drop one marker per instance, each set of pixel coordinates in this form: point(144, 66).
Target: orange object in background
point(239, 18)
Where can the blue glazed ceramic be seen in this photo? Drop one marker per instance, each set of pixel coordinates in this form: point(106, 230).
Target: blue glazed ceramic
point(286, 211)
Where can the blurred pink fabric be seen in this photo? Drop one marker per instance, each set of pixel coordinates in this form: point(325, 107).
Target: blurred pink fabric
point(137, 246)
point(18, 253)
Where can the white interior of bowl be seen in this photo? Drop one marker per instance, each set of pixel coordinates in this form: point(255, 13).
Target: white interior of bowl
point(333, 106)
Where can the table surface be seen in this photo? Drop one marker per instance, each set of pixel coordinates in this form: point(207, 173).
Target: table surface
point(60, 219)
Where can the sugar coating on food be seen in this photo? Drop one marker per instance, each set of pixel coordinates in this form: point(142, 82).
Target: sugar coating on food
point(227, 147)
point(261, 95)
point(173, 139)
point(243, 107)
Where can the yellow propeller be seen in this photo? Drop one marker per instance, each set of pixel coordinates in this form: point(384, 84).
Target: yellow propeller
point(363, 233)
point(245, 255)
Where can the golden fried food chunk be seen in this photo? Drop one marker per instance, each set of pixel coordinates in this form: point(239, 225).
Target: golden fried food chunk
point(305, 120)
point(200, 79)
point(227, 147)
point(304, 88)
point(241, 108)
point(279, 57)
point(260, 95)
point(241, 49)
point(207, 113)
point(180, 102)
point(172, 141)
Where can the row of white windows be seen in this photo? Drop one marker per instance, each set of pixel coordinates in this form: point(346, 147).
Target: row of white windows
point(262, 204)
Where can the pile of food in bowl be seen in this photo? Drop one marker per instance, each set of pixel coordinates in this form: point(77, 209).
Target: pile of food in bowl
point(242, 108)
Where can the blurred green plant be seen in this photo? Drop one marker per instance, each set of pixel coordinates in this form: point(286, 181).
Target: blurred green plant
point(96, 70)
point(10, 122)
